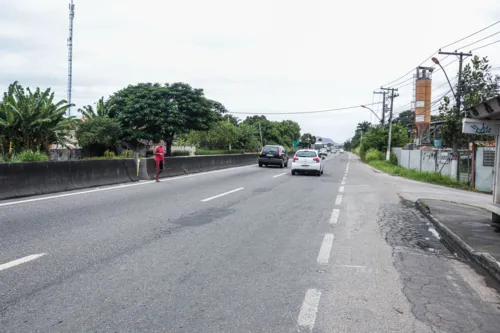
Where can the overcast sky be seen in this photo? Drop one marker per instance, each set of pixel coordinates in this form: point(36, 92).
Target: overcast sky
point(253, 56)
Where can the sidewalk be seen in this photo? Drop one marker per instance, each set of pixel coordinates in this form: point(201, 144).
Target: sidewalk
point(467, 228)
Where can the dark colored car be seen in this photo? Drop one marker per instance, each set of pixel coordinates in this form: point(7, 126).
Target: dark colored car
point(273, 155)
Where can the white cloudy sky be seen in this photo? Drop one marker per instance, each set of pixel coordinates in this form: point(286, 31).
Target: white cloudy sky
point(253, 56)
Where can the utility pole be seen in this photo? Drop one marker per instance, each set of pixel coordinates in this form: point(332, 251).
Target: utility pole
point(70, 53)
point(388, 152)
point(383, 93)
point(458, 103)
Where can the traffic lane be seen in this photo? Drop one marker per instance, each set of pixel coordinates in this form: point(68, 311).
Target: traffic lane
point(88, 236)
point(243, 270)
point(81, 235)
point(394, 274)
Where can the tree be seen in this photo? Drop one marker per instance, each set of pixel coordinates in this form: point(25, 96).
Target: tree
point(102, 110)
point(307, 139)
point(376, 138)
point(478, 85)
point(33, 119)
point(405, 118)
point(152, 112)
point(363, 127)
point(98, 134)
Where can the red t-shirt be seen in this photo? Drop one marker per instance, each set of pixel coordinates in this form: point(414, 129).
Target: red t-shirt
point(159, 153)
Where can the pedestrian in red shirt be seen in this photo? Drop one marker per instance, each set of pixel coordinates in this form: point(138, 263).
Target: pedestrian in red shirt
point(159, 159)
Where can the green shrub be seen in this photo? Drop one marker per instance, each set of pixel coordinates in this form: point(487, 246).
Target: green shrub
point(180, 153)
point(357, 150)
point(109, 154)
point(373, 155)
point(423, 176)
point(393, 159)
point(29, 156)
point(127, 153)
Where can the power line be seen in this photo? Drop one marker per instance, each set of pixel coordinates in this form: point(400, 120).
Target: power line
point(455, 42)
point(473, 34)
point(463, 47)
point(304, 112)
point(481, 47)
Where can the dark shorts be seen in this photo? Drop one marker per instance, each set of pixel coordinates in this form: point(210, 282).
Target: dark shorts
point(159, 165)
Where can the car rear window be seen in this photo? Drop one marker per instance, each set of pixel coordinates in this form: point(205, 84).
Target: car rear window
point(306, 154)
point(270, 149)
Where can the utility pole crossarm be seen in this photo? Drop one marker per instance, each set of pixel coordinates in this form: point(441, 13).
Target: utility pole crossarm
point(389, 139)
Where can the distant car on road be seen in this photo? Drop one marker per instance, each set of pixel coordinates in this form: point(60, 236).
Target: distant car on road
point(307, 161)
point(273, 155)
point(341, 150)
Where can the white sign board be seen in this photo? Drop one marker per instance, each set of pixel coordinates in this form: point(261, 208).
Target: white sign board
point(420, 104)
point(480, 127)
point(419, 118)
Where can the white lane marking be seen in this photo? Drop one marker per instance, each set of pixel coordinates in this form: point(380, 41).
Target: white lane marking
point(222, 194)
point(326, 248)
point(20, 261)
point(335, 216)
point(341, 189)
point(351, 266)
point(345, 178)
point(144, 182)
point(343, 182)
point(281, 174)
point(309, 309)
point(338, 200)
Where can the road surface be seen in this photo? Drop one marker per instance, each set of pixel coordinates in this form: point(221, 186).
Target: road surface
point(240, 250)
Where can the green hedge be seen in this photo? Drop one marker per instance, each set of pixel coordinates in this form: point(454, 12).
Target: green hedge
point(219, 152)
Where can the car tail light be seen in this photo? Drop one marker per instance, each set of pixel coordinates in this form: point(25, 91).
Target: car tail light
point(317, 159)
point(280, 152)
point(295, 158)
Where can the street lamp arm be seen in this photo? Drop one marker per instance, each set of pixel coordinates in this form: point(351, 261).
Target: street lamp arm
point(376, 115)
point(451, 87)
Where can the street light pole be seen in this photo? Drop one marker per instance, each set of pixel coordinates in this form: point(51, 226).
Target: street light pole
point(383, 105)
point(376, 115)
point(388, 152)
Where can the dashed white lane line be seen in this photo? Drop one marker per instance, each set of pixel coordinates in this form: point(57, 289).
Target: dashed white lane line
point(309, 309)
point(338, 200)
point(325, 249)
point(20, 261)
point(335, 216)
point(222, 194)
point(341, 189)
point(345, 178)
point(281, 174)
point(343, 182)
point(147, 182)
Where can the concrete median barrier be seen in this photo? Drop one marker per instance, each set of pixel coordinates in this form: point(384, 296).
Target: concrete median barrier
point(35, 178)
point(177, 166)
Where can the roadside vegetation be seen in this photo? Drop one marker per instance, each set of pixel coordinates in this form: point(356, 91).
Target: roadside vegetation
point(32, 122)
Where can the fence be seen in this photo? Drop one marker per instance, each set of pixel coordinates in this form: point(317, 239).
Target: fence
point(435, 161)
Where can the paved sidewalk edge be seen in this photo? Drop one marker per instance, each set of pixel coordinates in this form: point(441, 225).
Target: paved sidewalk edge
point(486, 260)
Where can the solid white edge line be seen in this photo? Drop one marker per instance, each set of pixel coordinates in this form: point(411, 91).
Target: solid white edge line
point(222, 194)
point(309, 309)
point(281, 174)
point(140, 183)
point(338, 200)
point(335, 216)
point(20, 261)
point(341, 189)
point(326, 248)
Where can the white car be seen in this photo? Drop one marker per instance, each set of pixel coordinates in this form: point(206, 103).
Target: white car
point(307, 161)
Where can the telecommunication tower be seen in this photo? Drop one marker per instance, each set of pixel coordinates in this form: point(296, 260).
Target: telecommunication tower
point(423, 88)
point(70, 53)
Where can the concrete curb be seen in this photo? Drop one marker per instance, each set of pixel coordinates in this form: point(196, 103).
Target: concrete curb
point(484, 259)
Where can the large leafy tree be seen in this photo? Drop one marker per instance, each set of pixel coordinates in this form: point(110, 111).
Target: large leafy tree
point(32, 119)
point(98, 134)
point(478, 85)
point(405, 118)
point(363, 127)
point(152, 112)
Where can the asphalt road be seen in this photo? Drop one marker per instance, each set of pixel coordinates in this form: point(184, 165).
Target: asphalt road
point(242, 250)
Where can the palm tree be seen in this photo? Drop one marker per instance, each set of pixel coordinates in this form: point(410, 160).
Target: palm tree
point(363, 127)
point(29, 119)
point(102, 110)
